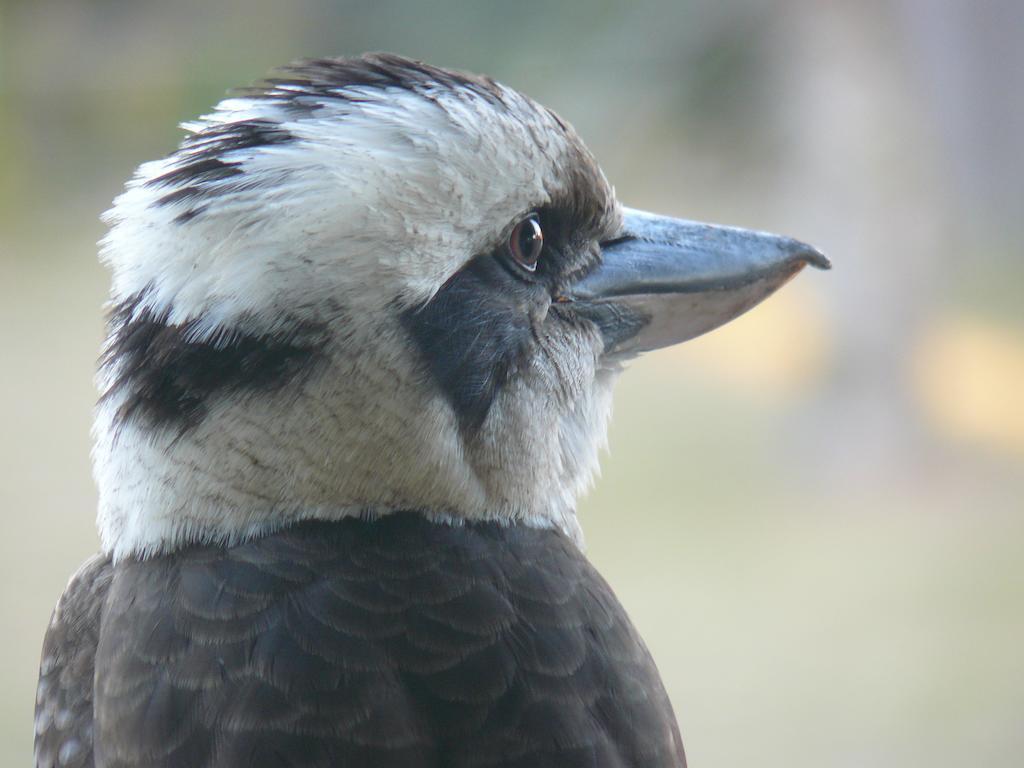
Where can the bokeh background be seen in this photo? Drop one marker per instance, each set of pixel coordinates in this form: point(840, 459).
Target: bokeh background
point(814, 515)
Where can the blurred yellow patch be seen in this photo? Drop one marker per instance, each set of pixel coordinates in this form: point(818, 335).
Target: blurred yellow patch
point(778, 349)
point(969, 375)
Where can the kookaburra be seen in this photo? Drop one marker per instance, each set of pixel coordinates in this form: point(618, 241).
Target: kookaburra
point(365, 324)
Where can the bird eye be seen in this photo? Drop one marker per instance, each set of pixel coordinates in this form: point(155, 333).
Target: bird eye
point(526, 242)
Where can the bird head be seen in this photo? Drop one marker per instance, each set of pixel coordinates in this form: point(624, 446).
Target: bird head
point(369, 285)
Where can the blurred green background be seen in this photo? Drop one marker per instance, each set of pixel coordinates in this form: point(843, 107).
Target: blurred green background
point(814, 515)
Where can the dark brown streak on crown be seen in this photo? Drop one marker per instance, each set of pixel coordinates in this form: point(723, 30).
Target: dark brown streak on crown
point(303, 85)
point(201, 164)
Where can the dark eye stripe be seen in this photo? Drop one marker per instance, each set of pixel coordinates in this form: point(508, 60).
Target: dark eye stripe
point(168, 378)
point(472, 335)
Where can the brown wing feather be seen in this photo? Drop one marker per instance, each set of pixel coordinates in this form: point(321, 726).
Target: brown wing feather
point(397, 643)
point(64, 697)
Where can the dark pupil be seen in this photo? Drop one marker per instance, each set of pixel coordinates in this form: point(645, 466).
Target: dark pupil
point(530, 240)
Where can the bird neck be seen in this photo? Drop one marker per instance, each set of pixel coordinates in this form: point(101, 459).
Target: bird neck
point(355, 440)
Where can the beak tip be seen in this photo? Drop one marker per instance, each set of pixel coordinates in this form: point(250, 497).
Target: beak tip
point(810, 255)
point(820, 260)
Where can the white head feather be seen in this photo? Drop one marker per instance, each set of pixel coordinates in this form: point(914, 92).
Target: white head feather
point(337, 206)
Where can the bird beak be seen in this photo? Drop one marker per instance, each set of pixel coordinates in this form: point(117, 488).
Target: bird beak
point(664, 281)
